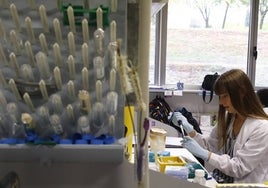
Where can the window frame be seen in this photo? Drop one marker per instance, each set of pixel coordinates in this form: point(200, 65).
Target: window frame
point(161, 45)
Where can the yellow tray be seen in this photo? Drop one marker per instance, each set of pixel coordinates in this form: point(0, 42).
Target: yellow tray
point(164, 161)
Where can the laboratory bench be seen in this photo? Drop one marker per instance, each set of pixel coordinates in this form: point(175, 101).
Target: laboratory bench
point(175, 149)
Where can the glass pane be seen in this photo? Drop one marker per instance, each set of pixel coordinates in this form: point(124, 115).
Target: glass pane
point(152, 51)
point(198, 46)
point(261, 79)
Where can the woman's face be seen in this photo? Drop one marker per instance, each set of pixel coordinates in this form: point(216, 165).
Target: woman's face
point(225, 101)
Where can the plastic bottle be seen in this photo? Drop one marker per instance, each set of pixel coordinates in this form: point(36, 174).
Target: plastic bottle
point(200, 177)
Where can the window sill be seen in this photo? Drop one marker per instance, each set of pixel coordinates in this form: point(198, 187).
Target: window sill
point(188, 89)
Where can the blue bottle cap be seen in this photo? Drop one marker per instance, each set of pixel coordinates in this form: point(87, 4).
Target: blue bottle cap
point(10, 141)
point(20, 141)
point(30, 138)
point(87, 137)
point(96, 141)
point(80, 141)
point(109, 140)
point(76, 136)
point(55, 138)
point(65, 141)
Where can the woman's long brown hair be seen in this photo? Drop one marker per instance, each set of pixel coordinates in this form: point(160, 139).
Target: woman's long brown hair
point(243, 98)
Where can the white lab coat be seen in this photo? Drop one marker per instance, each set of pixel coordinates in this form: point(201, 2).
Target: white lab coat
point(250, 155)
point(265, 110)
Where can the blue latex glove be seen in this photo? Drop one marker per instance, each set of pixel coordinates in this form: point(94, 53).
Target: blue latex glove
point(192, 146)
point(176, 116)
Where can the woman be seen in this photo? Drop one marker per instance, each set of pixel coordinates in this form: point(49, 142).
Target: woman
point(238, 145)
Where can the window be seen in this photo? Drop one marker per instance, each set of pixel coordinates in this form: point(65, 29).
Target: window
point(207, 37)
point(261, 78)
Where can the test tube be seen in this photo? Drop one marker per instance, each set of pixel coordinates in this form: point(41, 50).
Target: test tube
point(99, 18)
point(55, 122)
point(98, 67)
point(112, 79)
point(28, 101)
point(3, 80)
point(112, 124)
point(70, 13)
point(98, 91)
point(14, 63)
point(113, 31)
point(57, 30)
point(27, 73)
point(71, 90)
point(13, 111)
point(71, 66)
point(85, 56)
point(14, 88)
point(71, 43)
point(29, 52)
point(43, 89)
point(99, 41)
point(85, 30)
point(85, 78)
point(113, 54)
point(83, 125)
point(2, 30)
point(28, 23)
point(111, 103)
point(15, 41)
point(43, 16)
point(42, 65)
point(43, 120)
point(114, 5)
point(70, 112)
point(84, 100)
point(15, 16)
point(57, 76)
point(3, 101)
point(3, 56)
point(98, 114)
point(56, 104)
point(57, 54)
point(43, 42)
point(43, 112)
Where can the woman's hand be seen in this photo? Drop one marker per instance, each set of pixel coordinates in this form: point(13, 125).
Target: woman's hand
point(176, 117)
point(192, 146)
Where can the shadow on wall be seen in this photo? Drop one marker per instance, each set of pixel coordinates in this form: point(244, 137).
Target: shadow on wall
point(193, 102)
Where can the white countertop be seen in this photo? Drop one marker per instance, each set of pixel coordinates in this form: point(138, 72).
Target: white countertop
point(185, 154)
point(175, 148)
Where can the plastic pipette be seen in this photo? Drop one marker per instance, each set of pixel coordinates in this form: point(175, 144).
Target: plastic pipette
point(181, 127)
